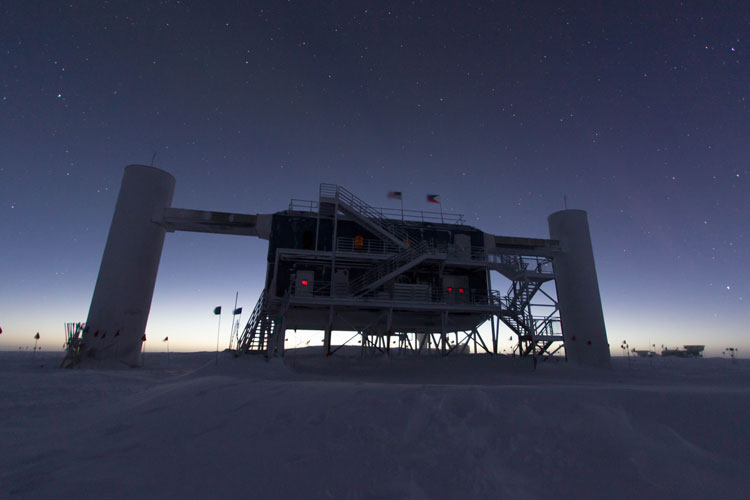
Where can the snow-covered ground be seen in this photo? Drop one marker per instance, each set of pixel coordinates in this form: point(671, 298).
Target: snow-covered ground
point(311, 427)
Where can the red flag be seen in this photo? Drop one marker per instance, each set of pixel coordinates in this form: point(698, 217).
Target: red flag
point(143, 339)
point(37, 336)
point(165, 339)
point(96, 333)
point(395, 195)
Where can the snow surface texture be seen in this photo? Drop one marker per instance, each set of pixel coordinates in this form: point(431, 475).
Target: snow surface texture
point(311, 427)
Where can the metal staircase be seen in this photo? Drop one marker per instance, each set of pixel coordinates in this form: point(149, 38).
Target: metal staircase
point(264, 324)
point(390, 268)
point(527, 278)
point(259, 327)
point(536, 335)
point(520, 294)
point(518, 316)
point(373, 219)
point(369, 217)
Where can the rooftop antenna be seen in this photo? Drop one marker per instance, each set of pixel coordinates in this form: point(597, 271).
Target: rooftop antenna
point(153, 158)
point(565, 196)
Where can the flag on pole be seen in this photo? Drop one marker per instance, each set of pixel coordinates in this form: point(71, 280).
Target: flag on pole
point(37, 337)
point(395, 195)
point(433, 198)
point(165, 339)
point(217, 310)
point(237, 311)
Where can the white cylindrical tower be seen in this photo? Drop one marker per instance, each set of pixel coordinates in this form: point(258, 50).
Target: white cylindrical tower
point(584, 333)
point(122, 297)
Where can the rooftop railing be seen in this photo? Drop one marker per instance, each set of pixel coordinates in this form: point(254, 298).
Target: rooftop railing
point(452, 251)
point(413, 294)
point(390, 213)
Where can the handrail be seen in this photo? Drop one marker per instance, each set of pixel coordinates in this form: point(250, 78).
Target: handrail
point(478, 297)
point(388, 266)
point(405, 215)
point(367, 246)
point(347, 198)
point(252, 323)
point(302, 205)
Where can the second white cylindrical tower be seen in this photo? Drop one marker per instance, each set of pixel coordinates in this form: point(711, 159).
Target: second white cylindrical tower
point(584, 333)
point(122, 297)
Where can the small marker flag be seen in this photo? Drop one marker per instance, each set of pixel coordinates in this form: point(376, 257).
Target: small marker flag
point(166, 339)
point(237, 311)
point(433, 198)
point(143, 339)
point(217, 310)
point(395, 195)
point(37, 336)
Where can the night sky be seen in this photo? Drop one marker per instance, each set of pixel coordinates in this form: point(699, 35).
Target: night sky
point(637, 112)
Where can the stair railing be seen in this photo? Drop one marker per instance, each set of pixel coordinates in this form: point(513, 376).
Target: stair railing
point(244, 341)
point(345, 197)
point(388, 266)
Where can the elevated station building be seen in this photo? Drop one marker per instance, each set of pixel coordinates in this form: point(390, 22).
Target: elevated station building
point(412, 281)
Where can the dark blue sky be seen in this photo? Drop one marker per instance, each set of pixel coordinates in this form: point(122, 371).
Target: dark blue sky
point(637, 112)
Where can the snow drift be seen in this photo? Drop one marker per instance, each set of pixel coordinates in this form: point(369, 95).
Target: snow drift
point(311, 427)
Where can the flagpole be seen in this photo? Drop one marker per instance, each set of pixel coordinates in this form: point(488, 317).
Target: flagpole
point(435, 198)
point(217, 339)
point(234, 315)
point(237, 329)
point(402, 207)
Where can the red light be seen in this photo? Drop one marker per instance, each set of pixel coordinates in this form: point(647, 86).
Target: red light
point(460, 290)
point(450, 290)
point(304, 282)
